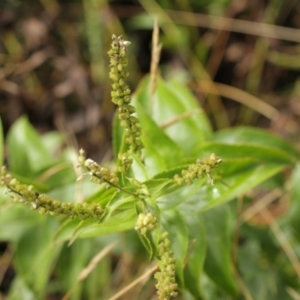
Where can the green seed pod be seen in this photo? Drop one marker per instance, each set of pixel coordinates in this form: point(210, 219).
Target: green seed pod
point(120, 67)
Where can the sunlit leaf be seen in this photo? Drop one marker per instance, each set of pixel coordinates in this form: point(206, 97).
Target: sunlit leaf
point(222, 191)
point(176, 111)
point(139, 170)
point(73, 229)
point(120, 222)
point(27, 151)
point(153, 135)
point(158, 187)
point(179, 194)
point(53, 141)
point(254, 136)
point(266, 154)
point(20, 290)
point(15, 219)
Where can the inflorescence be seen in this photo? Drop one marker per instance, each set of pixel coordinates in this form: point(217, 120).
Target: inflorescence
point(121, 94)
point(166, 283)
point(146, 222)
point(98, 174)
point(23, 193)
point(198, 170)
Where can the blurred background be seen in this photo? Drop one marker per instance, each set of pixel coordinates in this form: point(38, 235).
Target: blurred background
point(54, 63)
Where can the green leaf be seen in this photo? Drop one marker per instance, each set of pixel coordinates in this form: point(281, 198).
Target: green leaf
point(35, 254)
point(53, 142)
point(154, 162)
point(201, 124)
point(15, 219)
point(138, 168)
point(178, 194)
point(122, 221)
point(243, 167)
point(174, 108)
point(28, 155)
point(174, 224)
point(263, 265)
point(149, 243)
point(218, 264)
point(196, 253)
point(265, 154)
point(20, 290)
point(68, 228)
point(157, 144)
point(100, 195)
point(119, 202)
point(169, 173)
point(71, 262)
point(140, 21)
point(84, 189)
point(292, 217)
point(60, 174)
point(159, 187)
point(95, 286)
point(116, 208)
point(231, 179)
point(73, 229)
point(254, 136)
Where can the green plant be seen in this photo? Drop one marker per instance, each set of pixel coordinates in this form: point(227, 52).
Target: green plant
point(169, 184)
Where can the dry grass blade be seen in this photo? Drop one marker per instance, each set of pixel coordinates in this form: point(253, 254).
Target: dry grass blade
point(156, 49)
point(5, 261)
point(235, 25)
point(240, 96)
point(71, 142)
point(9, 87)
point(216, 22)
point(258, 206)
point(243, 287)
point(193, 64)
point(52, 7)
point(34, 61)
point(283, 241)
point(91, 266)
point(134, 283)
point(52, 171)
point(294, 294)
point(94, 262)
point(180, 118)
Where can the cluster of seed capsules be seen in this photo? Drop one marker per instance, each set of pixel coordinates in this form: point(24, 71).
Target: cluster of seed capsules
point(23, 193)
point(166, 282)
point(121, 94)
point(198, 170)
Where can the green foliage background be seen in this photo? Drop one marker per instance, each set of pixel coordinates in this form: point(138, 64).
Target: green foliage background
point(220, 252)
